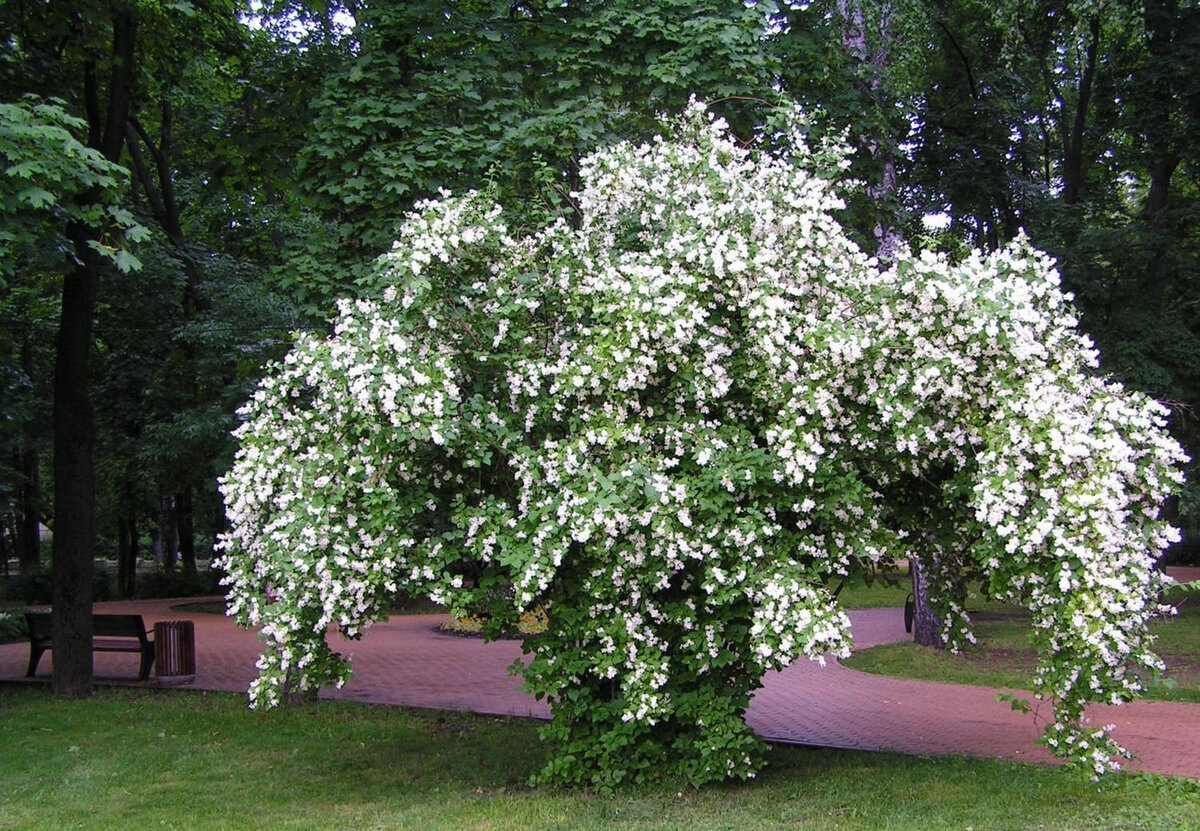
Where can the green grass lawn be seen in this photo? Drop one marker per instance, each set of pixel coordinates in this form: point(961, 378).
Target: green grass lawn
point(1003, 657)
point(891, 589)
point(878, 591)
point(152, 759)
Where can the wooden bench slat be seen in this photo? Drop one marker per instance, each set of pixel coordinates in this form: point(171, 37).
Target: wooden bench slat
point(110, 645)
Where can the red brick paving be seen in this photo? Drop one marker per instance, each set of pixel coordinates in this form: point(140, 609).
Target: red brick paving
point(406, 661)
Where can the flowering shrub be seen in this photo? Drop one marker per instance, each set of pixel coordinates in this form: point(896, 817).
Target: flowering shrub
point(669, 424)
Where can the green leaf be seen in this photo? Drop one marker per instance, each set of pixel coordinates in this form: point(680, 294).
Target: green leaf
point(137, 233)
point(25, 169)
point(125, 261)
point(123, 216)
point(37, 198)
point(1019, 705)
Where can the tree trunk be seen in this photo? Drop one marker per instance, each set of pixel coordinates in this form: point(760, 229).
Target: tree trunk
point(926, 628)
point(856, 41)
point(6, 531)
point(74, 422)
point(127, 547)
point(887, 236)
point(167, 543)
point(1153, 282)
point(29, 531)
point(1162, 20)
point(1074, 135)
point(74, 489)
point(187, 542)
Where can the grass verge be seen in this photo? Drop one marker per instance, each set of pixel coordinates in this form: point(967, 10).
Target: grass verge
point(1003, 657)
point(139, 759)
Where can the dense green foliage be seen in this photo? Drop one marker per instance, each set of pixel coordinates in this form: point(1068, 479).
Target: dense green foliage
point(47, 175)
point(455, 95)
point(46, 171)
point(175, 342)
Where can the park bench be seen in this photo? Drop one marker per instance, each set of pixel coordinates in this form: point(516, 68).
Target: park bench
point(110, 633)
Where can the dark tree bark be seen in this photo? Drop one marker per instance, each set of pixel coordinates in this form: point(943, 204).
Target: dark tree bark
point(29, 531)
point(1158, 104)
point(159, 187)
point(74, 485)
point(926, 628)
point(856, 41)
point(166, 543)
point(1073, 137)
point(184, 523)
point(1072, 126)
point(157, 182)
point(6, 532)
point(127, 543)
point(74, 421)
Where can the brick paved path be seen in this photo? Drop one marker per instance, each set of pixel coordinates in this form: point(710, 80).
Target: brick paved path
point(406, 661)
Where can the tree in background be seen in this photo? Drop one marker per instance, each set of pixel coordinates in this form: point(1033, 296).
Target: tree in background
point(168, 392)
point(456, 95)
point(1090, 123)
point(58, 187)
point(179, 355)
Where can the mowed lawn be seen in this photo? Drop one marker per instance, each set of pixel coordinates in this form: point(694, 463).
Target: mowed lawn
point(1003, 657)
point(135, 759)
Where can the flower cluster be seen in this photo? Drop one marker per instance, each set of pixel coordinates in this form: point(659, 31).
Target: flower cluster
point(670, 424)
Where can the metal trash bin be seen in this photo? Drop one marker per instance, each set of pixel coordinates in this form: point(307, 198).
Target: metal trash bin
point(175, 651)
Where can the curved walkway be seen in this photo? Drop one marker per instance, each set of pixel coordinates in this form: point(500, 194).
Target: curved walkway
point(407, 661)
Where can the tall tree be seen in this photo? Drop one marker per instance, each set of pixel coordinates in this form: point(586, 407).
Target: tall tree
point(977, 157)
point(1074, 120)
point(96, 47)
point(501, 94)
point(119, 66)
point(861, 67)
point(74, 421)
point(209, 155)
point(68, 189)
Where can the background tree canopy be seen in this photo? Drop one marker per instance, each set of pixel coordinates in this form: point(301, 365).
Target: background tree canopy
point(273, 149)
